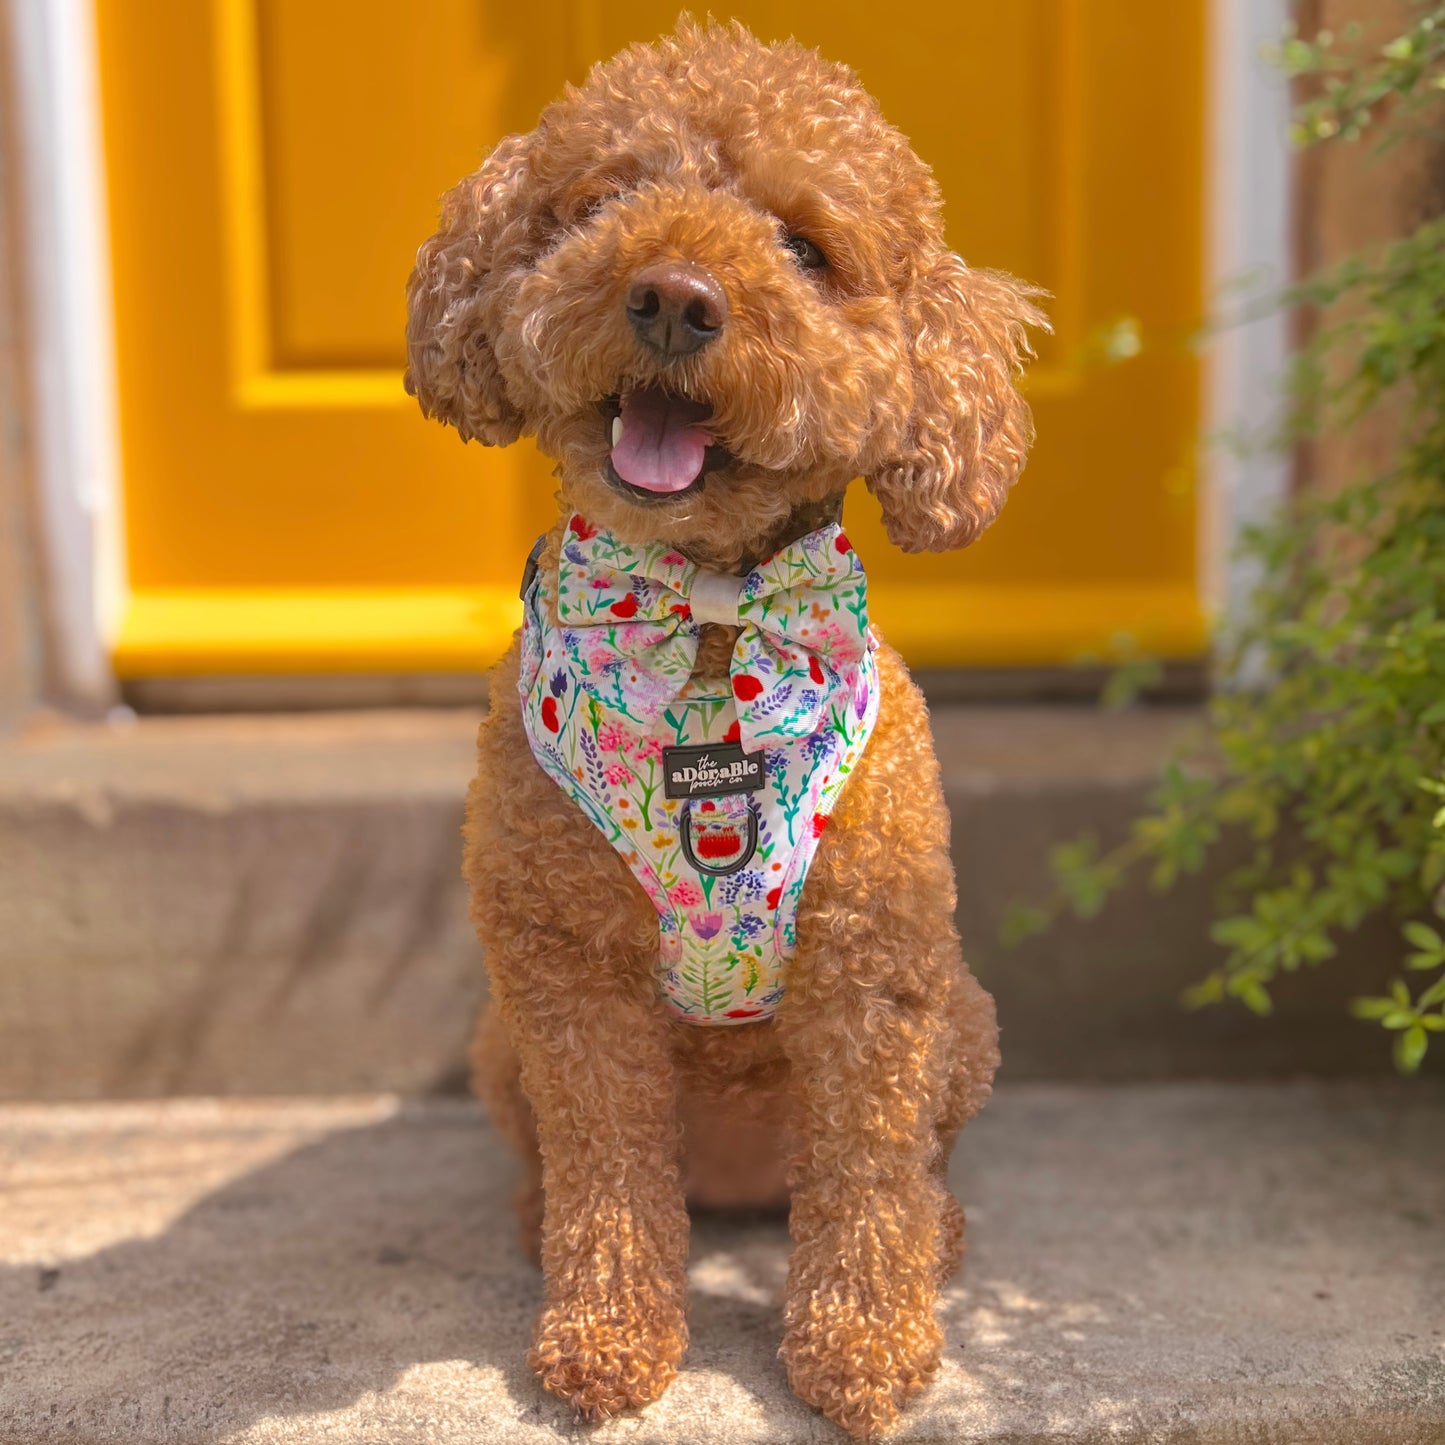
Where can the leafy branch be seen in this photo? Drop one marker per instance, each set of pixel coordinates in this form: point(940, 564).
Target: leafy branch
point(1356, 91)
point(1332, 775)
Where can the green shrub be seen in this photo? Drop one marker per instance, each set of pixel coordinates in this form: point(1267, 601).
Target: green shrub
point(1333, 768)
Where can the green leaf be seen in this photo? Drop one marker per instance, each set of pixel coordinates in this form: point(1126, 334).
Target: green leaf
point(1020, 922)
point(1315, 947)
point(1371, 1008)
point(1425, 938)
point(1244, 933)
point(1432, 995)
point(1255, 997)
point(1207, 991)
point(1410, 1049)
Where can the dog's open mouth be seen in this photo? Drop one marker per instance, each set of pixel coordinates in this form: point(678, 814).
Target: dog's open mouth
point(661, 446)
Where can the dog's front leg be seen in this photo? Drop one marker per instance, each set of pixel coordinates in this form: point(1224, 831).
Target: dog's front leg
point(596, 1068)
point(861, 1334)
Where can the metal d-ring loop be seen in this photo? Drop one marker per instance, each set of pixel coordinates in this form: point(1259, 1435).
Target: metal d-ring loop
point(685, 836)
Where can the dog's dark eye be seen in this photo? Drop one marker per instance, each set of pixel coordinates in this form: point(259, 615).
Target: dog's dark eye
point(805, 253)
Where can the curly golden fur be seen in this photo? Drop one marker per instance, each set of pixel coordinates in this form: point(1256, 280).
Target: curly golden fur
point(896, 362)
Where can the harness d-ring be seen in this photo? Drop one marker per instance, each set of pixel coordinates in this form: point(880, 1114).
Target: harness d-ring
point(685, 838)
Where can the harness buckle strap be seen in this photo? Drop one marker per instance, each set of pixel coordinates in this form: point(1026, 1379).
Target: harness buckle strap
point(716, 597)
point(529, 572)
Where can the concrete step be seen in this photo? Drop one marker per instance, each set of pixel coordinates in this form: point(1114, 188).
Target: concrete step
point(1172, 1264)
point(271, 904)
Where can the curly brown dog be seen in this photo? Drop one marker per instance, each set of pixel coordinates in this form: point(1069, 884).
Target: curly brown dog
point(732, 230)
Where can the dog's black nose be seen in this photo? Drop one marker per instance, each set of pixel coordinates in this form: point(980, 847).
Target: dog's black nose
point(676, 307)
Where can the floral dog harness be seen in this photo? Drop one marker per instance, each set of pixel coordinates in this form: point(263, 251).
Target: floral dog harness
point(716, 802)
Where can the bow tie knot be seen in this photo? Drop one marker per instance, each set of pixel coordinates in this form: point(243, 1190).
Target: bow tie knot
point(716, 597)
point(630, 618)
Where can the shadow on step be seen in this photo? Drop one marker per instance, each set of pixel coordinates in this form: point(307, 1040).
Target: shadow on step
point(1151, 1263)
point(315, 1281)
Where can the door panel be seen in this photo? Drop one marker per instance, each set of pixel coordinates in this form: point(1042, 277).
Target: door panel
point(273, 165)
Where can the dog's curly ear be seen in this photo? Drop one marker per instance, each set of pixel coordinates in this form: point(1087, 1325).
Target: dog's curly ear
point(970, 429)
point(453, 298)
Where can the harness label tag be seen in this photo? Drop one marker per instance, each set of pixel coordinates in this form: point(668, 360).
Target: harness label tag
point(707, 770)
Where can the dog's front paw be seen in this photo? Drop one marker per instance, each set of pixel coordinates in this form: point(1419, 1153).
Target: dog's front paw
point(605, 1356)
point(860, 1365)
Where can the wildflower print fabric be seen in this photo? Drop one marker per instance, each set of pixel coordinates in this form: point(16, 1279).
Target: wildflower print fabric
point(606, 690)
point(631, 639)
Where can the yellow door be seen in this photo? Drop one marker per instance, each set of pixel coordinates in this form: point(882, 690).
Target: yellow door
point(273, 165)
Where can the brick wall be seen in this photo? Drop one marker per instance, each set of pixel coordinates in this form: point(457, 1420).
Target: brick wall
point(1353, 198)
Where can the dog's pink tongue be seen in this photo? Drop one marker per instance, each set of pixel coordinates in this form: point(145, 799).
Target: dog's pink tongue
point(662, 446)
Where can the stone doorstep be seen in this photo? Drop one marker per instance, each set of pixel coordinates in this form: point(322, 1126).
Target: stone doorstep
point(271, 904)
point(1175, 1264)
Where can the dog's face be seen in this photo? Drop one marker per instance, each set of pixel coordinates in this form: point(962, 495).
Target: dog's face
point(713, 283)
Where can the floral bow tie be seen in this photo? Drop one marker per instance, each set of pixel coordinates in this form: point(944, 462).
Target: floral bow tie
point(630, 618)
